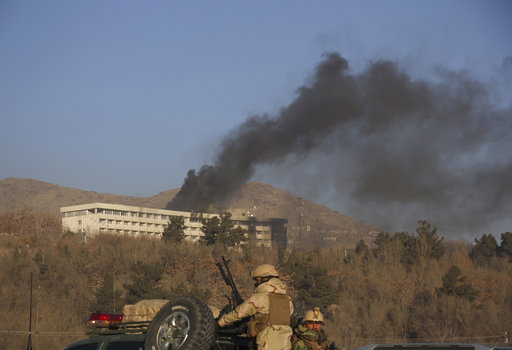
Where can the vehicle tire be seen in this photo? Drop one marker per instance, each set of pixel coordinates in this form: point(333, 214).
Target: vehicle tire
point(183, 323)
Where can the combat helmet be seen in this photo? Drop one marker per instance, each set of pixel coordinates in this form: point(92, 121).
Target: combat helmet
point(265, 270)
point(314, 315)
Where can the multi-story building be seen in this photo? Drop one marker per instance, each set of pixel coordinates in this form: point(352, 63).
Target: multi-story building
point(94, 218)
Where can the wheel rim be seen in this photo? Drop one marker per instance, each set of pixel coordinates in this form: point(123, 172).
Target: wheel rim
point(173, 332)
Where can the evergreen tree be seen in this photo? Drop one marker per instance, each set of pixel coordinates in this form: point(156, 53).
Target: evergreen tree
point(386, 245)
point(106, 298)
point(382, 239)
point(175, 229)
point(410, 248)
point(221, 229)
point(235, 237)
point(145, 279)
point(455, 284)
point(315, 287)
point(406, 241)
point(427, 243)
point(364, 252)
point(485, 248)
point(505, 248)
point(212, 230)
point(362, 247)
point(39, 260)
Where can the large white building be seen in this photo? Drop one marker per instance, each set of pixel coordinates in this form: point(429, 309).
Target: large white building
point(94, 218)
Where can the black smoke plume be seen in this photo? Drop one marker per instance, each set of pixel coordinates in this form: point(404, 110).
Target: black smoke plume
point(396, 146)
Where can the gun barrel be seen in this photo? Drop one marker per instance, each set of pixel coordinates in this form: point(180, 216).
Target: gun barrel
point(223, 274)
point(228, 278)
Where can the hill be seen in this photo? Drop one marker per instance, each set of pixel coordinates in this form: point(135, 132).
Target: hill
point(325, 225)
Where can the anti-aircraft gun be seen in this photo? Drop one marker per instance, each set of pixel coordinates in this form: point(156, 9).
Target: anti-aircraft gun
point(187, 323)
point(183, 323)
point(234, 300)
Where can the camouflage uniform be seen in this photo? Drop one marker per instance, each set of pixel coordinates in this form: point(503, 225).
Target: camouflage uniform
point(309, 339)
point(272, 337)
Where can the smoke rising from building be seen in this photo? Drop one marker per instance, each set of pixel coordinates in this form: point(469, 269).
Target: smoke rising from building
point(437, 150)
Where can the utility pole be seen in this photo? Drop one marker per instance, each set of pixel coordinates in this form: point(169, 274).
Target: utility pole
point(29, 344)
point(297, 231)
point(301, 203)
point(114, 289)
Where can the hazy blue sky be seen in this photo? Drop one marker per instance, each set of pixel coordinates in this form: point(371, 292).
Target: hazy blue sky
point(126, 96)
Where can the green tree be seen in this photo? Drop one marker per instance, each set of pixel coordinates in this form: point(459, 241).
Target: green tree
point(485, 248)
point(409, 248)
point(315, 287)
point(175, 229)
point(362, 247)
point(420, 313)
point(394, 248)
point(106, 298)
point(221, 229)
point(407, 243)
point(382, 239)
point(145, 279)
point(212, 230)
point(455, 284)
point(427, 244)
point(363, 251)
point(505, 248)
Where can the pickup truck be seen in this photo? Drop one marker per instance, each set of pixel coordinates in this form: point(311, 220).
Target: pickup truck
point(183, 323)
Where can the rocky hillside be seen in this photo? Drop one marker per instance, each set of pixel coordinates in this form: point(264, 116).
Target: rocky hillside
point(326, 226)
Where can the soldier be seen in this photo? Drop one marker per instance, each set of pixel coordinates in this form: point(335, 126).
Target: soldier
point(270, 308)
point(309, 335)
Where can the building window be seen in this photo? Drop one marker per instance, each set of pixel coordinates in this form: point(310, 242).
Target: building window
point(75, 213)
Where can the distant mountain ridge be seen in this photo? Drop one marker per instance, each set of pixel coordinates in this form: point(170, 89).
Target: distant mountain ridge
point(326, 226)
